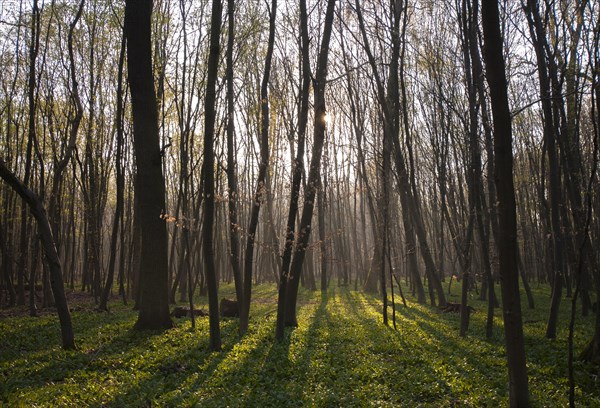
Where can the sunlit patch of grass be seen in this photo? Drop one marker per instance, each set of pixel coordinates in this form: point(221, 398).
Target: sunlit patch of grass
point(340, 355)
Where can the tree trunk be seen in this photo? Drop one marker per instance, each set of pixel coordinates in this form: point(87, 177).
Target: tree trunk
point(6, 269)
point(390, 104)
point(538, 38)
point(297, 170)
point(119, 205)
point(507, 243)
point(592, 350)
point(232, 184)
point(261, 186)
point(56, 279)
point(150, 182)
point(31, 135)
point(312, 184)
point(385, 210)
point(209, 176)
point(321, 194)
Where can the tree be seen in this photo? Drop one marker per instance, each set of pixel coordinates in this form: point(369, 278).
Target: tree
point(390, 104)
point(31, 141)
point(297, 169)
point(232, 184)
point(150, 182)
point(209, 175)
point(38, 210)
point(592, 351)
point(261, 181)
point(120, 183)
point(550, 136)
point(507, 244)
point(312, 184)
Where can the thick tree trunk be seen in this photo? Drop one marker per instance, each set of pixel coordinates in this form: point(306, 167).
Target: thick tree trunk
point(150, 182)
point(507, 243)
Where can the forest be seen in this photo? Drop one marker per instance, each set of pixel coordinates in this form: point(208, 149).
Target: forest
point(299, 203)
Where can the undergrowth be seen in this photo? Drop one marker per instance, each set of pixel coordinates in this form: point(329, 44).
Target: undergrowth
point(340, 355)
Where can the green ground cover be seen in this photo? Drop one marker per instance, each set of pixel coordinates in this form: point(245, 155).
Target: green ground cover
point(340, 355)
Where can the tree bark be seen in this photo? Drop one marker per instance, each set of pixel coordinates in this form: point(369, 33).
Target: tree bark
point(312, 184)
point(538, 38)
point(592, 350)
point(150, 182)
point(209, 176)
point(321, 204)
point(297, 170)
point(503, 177)
point(261, 185)
point(234, 237)
point(120, 181)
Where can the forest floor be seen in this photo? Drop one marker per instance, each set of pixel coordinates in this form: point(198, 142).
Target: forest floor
point(341, 355)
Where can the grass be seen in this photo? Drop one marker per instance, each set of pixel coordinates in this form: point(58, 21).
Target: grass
point(340, 355)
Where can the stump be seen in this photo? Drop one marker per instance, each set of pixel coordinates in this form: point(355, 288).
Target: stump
point(181, 311)
point(229, 308)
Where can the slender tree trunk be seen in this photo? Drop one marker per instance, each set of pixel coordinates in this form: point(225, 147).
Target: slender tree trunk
point(90, 175)
point(119, 205)
point(261, 186)
point(209, 176)
point(411, 253)
point(6, 268)
point(56, 279)
point(390, 104)
point(232, 184)
point(538, 37)
point(592, 350)
point(297, 169)
point(474, 177)
point(31, 135)
point(321, 194)
point(385, 210)
point(479, 196)
point(136, 250)
point(312, 183)
point(61, 165)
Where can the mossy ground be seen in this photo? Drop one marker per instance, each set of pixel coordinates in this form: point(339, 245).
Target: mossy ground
point(341, 355)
